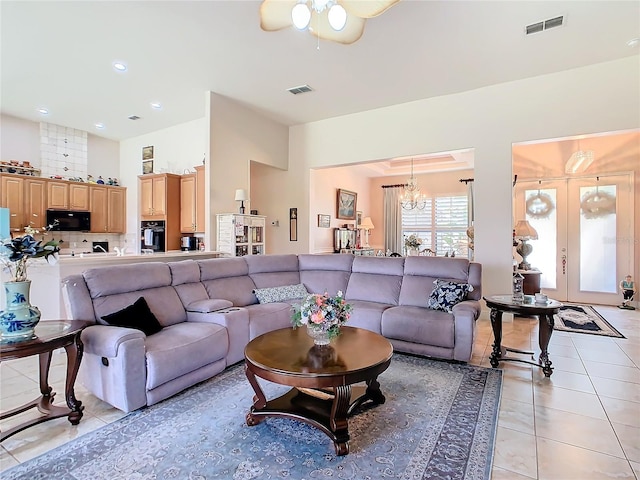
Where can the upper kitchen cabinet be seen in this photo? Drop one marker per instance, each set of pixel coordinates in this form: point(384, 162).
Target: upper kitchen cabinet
point(12, 197)
point(192, 201)
point(108, 209)
point(57, 195)
point(159, 196)
point(35, 202)
point(79, 197)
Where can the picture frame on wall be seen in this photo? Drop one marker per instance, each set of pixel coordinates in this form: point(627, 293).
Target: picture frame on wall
point(293, 224)
point(346, 204)
point(358, 219)
point(147, 167)
point(324, 221)
point(147, 153)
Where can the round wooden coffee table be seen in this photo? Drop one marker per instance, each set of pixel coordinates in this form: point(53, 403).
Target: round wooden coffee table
point(322, 377)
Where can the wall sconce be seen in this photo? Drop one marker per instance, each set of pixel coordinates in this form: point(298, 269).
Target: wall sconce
point(241, 196)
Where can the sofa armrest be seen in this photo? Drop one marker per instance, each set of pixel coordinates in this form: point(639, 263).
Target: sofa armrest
point(106, 340)
point(465, 315)
point(236, 321)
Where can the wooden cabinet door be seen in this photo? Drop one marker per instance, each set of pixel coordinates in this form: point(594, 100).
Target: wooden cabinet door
point(98, 206)
point(57, 195)
point(117, 210)
point(188, 203)
point(159, 196)
point(200, 199)
point(35, 202)
point(146, 197)
point(79, 197)
point(12, 197)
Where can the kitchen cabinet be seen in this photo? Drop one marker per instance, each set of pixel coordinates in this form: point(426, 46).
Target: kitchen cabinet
point(35, 202)
point(240, 235)
point(57, 195)
point(12, 197)
point(79, 197)
point(108, 209)
point(192, 201)
point(160, 201)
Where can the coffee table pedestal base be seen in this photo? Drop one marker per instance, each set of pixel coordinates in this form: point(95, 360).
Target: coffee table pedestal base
point(326, 410)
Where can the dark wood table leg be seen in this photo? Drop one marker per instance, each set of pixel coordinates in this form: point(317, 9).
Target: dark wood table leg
point(545, 331)
point(338, 420)
point(74, 356)
point(259, 399)
point(496, 325)
point(44, 360)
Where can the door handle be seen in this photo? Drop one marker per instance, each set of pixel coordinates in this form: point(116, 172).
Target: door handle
point(564, 264)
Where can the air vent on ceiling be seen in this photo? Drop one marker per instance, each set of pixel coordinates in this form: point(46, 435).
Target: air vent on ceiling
point(300, 89)
point(545, 25)
point(133, 117)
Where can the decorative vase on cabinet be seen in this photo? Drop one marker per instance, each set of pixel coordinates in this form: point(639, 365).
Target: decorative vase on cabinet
point(19, 318)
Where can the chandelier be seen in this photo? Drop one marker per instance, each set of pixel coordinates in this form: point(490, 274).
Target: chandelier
point(341, 21)
point(412, 199)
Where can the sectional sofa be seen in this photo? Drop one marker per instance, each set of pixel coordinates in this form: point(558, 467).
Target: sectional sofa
point(209, 311)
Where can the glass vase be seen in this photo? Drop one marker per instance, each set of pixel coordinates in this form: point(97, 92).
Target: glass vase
point(320, 335)
point(19, 318)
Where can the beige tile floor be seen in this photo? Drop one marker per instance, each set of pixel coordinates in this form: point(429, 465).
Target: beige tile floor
point(582, 423)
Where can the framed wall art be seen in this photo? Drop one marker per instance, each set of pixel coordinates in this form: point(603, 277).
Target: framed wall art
point(147, 153)
point(147, 167)
point(293, 224)
point(346, 204)
point(358, 219)
point(324, 221)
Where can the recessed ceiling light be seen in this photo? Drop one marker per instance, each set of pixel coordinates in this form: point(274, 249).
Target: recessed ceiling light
point(634, 42)
point(43, 111)
point(156, 105)
point(99, 126)
point(120, 66)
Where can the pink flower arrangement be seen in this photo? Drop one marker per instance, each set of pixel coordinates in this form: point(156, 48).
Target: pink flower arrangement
point(324, 311)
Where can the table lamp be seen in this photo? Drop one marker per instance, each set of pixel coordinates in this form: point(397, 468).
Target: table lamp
point(366, 225)
point(524, 232)
point(241, 196)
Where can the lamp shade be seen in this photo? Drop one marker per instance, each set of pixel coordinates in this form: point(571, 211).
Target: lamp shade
point(241, 194)
point(524, 231)
point(367, 224)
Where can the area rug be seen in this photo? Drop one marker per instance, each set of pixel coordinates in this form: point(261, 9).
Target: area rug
point(439, 421)
point(583, 319)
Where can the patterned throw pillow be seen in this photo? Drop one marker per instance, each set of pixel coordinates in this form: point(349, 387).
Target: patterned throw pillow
point(279, 294)
point(446, 294)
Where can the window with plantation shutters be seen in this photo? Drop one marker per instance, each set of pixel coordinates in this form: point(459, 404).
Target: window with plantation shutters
point(442, 225)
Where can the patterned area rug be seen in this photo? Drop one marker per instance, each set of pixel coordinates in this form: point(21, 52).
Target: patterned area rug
point(583, 319)
point(439, 421)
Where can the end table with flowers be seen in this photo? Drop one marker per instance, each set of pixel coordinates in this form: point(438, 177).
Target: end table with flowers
point(412, 244)
point(19, 317)
point(323, 315)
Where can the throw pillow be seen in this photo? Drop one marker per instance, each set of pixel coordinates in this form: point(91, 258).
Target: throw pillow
point(446, 294)
point(279, 294)
point(138, 316)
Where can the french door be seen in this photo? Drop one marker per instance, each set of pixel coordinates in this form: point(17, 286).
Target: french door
point(585, 227)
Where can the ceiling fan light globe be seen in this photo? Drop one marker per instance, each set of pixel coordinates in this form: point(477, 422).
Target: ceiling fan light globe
point(337, 17)
point(300, 16)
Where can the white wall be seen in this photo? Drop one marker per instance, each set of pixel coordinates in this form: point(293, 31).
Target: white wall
point(175, 149)
point(597, 98)
point(103, 157)
point(19, 140)
point(237, 136)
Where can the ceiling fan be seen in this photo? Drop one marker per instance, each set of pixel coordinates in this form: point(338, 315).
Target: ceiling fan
point(340, 21)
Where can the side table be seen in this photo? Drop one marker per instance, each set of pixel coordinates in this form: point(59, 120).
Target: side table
point(49, 335)
point(545, 312)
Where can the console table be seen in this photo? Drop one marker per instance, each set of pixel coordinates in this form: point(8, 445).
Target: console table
point(545, 312)
point(49, 335)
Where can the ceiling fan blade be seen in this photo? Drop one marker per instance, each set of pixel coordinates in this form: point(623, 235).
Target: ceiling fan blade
point(352, 31)
point(276, 14)
point(367, 8)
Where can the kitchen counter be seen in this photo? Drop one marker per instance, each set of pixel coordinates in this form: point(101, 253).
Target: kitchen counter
point(46, 280)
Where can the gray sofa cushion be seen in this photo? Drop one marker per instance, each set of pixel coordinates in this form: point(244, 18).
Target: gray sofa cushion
point(419, 325)
point(183, 348)
point(119, 278)
point(375, 279)
point(325, 272)
point(184, 271)
point(273, 270)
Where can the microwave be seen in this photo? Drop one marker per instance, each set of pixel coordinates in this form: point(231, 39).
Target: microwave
point(69, 221)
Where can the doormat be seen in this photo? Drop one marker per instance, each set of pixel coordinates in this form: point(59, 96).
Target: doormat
point(583, 319)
